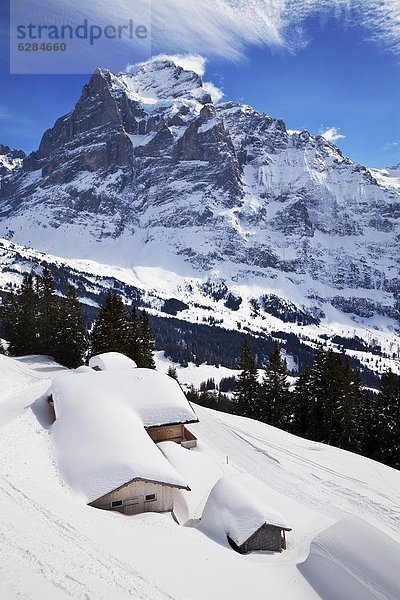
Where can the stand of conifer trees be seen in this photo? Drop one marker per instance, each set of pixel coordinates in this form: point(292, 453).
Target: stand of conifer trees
point(328, 404)
point(36, 321)
point(115, 330)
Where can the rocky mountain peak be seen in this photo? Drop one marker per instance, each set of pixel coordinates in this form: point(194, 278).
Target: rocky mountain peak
point(146, 166)
point(163, 79)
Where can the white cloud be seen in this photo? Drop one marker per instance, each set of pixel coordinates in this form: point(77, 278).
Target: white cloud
point(216, 93)
point(332, 134)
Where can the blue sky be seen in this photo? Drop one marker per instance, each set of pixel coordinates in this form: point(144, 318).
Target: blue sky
point(323, 72)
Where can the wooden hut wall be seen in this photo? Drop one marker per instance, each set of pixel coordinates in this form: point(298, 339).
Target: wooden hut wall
point(173, 433)
point(266, 537)
point(138, 497)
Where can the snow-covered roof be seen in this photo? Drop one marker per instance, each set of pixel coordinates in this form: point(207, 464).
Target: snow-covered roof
point(109, 361)
point(100, 427)
point(82, 369)
point(234, 509)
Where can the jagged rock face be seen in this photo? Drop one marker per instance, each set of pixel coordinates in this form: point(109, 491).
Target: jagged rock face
point(10, 160)
point(147, 168)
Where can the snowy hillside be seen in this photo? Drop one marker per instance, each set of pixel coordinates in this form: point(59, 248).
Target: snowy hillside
point(246, 306)
point(343, 510)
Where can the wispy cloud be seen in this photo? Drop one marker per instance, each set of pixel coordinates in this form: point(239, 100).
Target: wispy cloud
point(391, 146)
point(228, 27)
point(5, 113)
point(331, 134)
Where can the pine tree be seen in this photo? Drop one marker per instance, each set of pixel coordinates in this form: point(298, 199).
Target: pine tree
point(146, 358)
point(110, 331)
point(247, 389)
point(386, 421)
point(301, 404)
point(364, 434)
point(72, 344)
point(19, 317)
point(350, 406)
point(274, 396)
point(133, 342)
point(317, 388)
point(48, 314)
point(334, 399)
point(172, 372)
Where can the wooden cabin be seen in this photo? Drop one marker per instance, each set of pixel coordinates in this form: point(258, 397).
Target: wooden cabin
point(267, 537)
point(235, 506)
point(139, 407)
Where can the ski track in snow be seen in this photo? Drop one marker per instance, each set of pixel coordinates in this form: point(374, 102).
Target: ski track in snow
point(312, 482)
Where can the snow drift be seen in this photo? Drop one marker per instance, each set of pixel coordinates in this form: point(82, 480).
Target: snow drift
point(353, 559)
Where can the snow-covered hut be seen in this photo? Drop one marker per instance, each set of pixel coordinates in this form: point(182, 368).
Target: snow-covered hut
point(105, 422)
point(247, 522)
point(111, 361)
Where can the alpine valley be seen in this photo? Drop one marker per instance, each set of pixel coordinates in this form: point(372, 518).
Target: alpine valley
point(208, 213)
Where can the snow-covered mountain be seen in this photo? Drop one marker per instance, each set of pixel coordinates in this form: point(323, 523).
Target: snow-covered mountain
point(147, 173)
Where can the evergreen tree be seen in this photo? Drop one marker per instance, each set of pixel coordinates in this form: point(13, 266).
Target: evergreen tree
point(326, 394)
point(110, 331)
point(334, 399)
point(48, 314)
point(364, 434)
point(146, 358)
point(19, 316)
point(72, 343)
point(172, 372)
point(386, 421)
point(350, 408)
point(133, 343)
point(274, 396)
point(247, 389)
point(192, 394)
point(301, 404)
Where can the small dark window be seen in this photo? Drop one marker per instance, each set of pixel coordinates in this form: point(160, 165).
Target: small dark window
point(151, 497)
point(116, 503)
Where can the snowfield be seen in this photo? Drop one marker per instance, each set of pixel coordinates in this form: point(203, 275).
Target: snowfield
point(344, 511)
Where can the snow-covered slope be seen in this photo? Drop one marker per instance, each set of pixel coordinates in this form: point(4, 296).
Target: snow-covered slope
point(54, 546)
